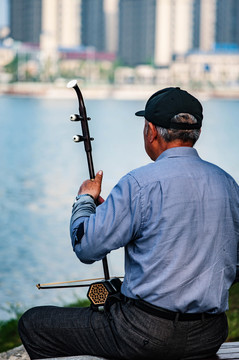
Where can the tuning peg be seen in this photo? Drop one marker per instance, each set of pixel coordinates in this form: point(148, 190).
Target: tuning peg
point(78, 138)
point(75, 117)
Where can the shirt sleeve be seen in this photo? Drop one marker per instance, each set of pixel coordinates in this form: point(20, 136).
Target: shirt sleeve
point(109, 226)
point(237, 266)
point(81, 209)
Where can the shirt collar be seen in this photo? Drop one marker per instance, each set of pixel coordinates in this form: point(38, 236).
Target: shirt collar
point(178, 151)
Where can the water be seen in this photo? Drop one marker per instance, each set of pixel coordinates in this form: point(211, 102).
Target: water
point(41, 170)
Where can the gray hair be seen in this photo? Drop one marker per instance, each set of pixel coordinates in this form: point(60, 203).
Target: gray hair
point(184, 135)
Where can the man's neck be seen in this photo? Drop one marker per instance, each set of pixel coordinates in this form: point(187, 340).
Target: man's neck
point(177, 143)
point(163, 146)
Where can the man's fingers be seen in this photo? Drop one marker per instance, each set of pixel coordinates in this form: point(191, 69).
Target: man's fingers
point(93, 186)
point(99, 176)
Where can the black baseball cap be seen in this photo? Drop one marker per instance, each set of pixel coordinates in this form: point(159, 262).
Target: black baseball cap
point(163, 105)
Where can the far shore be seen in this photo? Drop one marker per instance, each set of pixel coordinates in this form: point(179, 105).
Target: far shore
point(107, 91)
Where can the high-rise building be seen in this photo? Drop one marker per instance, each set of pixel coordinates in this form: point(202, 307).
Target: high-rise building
point(25, 20)
point(227, 22)
point(136, 31)
point(196, 17)
point(53, 24)
point(60, 24)
point(174, 29)
point(163, 33)
point(215, 24)
point(93, 24)
point(111, 25)
point(207, 24)
point(182, 26)
point(4, 18)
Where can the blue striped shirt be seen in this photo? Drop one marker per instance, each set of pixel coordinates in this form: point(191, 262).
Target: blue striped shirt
point(178, 220)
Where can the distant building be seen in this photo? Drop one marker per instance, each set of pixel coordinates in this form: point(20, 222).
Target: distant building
point(136, 31)
point(25, 20)
point(174, 29)
point(227, 22)
point(182, 26)
point(207, 24)
point(60, 24)
point(163, 33)
point(93, 24)
point(111, 25)
point(211, 69)
point(196, 15)
point(140, 32)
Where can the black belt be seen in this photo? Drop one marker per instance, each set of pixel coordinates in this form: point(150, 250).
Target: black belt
point(167, 314)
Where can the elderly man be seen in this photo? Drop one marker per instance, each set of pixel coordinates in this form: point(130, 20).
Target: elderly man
point(178, 220)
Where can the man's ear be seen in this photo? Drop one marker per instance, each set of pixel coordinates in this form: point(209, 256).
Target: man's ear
point(152, 132)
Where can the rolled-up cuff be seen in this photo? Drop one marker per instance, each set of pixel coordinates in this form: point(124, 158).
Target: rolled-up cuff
point(83, 207)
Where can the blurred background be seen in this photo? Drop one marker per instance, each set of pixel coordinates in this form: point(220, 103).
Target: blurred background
point(120, 51)
point(194, 43)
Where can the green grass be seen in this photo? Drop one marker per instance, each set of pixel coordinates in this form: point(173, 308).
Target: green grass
point(233, 314)
point(9, 337)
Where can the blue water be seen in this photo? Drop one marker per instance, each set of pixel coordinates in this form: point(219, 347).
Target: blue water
point(42, 168)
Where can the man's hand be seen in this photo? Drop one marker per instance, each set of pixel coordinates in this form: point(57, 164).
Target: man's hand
point(93, 187)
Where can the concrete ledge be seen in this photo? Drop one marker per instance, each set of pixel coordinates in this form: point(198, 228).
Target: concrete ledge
point(78, 357)
point(19, 353)
point(227, 351)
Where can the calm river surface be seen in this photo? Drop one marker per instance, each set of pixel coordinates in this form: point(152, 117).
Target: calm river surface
point(42, 168)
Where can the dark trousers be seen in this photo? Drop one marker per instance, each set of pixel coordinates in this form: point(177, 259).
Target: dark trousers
point(123, 332)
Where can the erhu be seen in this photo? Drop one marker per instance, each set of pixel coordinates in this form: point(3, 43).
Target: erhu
point(100, 291)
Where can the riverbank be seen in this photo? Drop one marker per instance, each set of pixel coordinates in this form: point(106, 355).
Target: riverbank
point(60, 91)
point(106, 91)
